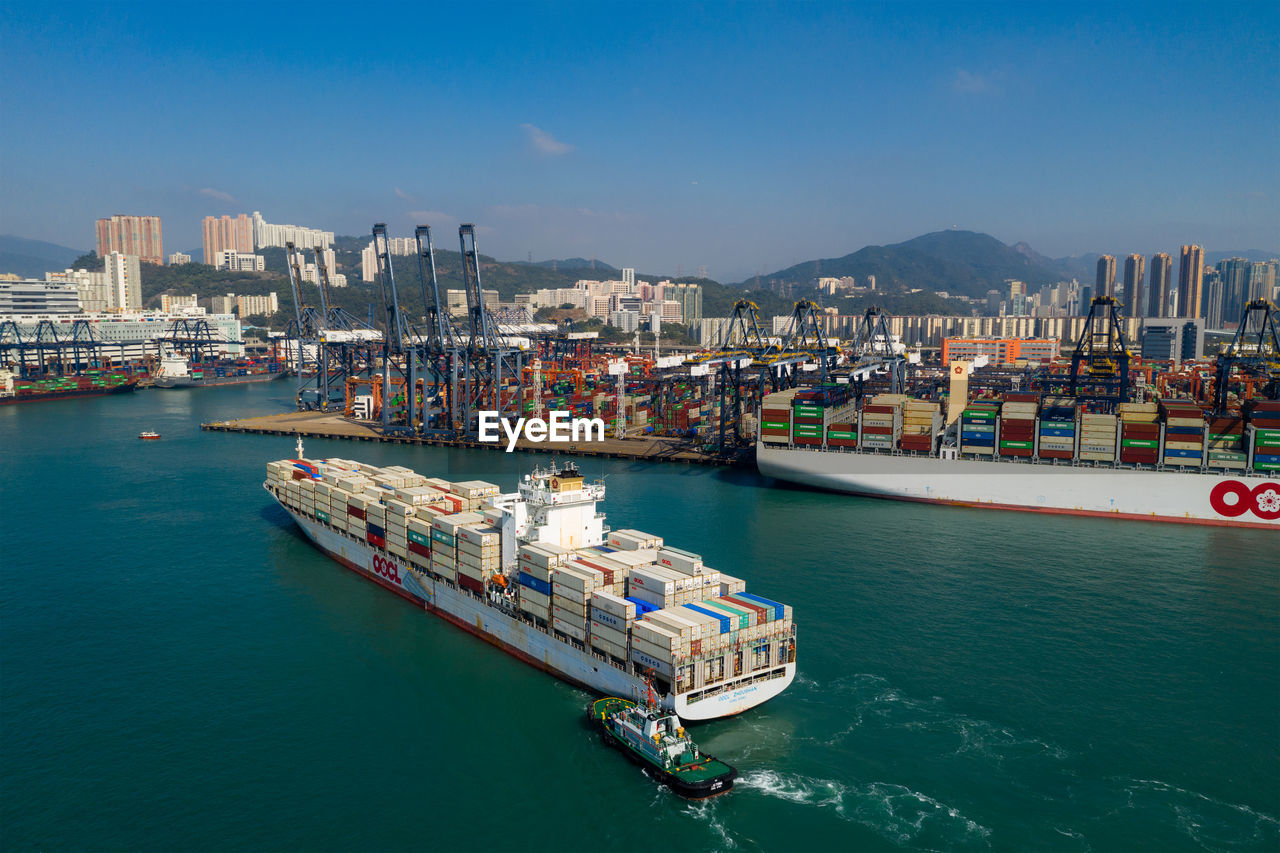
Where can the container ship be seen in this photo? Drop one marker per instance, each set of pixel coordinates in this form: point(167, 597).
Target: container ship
point(93, 383)
point(537, 573)
point(176, 371)
point(1167, 461)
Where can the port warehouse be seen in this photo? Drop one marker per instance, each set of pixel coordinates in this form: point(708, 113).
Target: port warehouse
point(629, 599)
point(1020, 426)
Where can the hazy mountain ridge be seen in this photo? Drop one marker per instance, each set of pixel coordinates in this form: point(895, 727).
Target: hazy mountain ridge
point(33, 258)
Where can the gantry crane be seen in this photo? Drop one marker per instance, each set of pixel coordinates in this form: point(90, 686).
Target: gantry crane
point(1254, 349)
point(1100, 360)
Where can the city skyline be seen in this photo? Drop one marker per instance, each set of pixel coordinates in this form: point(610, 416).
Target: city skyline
point(670, 147)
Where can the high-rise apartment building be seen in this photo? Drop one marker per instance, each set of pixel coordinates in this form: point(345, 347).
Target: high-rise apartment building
point(1235, 285)
point(1262, 279)
point(224, 234)
point(124, 282)
point(1215, 300)
point(368, 263)
point(265, 235)
point(1190, 282)
point(252, 306)
point(131, 235)
point(1158, 285)
point(179, 258)
point(629, 277)
point(1134, 267)
point(1105, 285)
point(690, 298)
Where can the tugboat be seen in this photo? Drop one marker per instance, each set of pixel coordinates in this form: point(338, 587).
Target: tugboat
point(657, 742)
point(148, 435)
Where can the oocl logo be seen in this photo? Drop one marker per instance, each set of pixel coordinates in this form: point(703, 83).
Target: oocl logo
point(1233, 499)
point(386, 568)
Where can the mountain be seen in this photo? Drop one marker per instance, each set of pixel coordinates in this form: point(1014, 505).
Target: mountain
point(33, 258)
point(959, 262)
point(578, 264)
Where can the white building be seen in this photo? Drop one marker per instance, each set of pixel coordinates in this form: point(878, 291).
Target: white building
point(176, 303)
point(137, 330)
point(337, 279)
point(627, 321)
point(179, 258)
point(229, 259)
point(91, 287)
point(124, 282)
point(456, 300)
point(223, 304)
point(266, 234)
point(671, 311)
point(28, 296)
point(251, 306)
point(555, 297)
point(368, 263)
point(311, 273)
point(629, 278)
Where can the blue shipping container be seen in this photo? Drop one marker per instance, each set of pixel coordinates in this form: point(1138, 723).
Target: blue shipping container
point(534, 584)
point(719, 617)
point(778, 610)
point(642, 607)
point(376, 530)
point(1178, 453)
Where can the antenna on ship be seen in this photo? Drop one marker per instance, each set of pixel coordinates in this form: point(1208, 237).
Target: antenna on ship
point(299, 448)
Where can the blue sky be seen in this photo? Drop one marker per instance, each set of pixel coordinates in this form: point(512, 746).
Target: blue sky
point(742, 137)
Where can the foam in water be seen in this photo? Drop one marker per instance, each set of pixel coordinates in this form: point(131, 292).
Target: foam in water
point(1209, 822)
point(894, 811)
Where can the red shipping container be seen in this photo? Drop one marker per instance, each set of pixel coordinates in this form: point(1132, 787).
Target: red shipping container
point(695, 647)
point(1021, 398)
point(800, 439)
point(1139, 457)
point(775, 414)
point(841, 442)
point(1015, 451)
point(471, 584)
point(1055, 454)
point(420, 550)
point(879, 410)
point(355, 512)
point(841, 427)
point(811, 421)
point(1140, 431)
point(376, 540)
point(877, 430)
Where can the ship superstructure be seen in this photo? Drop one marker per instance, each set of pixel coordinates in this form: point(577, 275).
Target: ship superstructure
point(538, 573)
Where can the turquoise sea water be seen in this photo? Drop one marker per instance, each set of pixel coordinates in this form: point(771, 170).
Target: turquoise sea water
point(180, 669)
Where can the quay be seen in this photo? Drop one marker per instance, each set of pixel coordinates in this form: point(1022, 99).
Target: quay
point(333, 425)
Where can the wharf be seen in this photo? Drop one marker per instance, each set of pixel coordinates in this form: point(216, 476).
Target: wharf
point(331, 425)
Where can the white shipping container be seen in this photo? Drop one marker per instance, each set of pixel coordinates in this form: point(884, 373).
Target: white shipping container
point(730, 585)
point(538, 598)
point(575, 631)
point(450, 523)
point(615, 605)
point(566, 612)
point(599, 629)
point(686, 629)
point(609, 647)
point(542, 573)
point(682, 561)
point(581, 578)
point(544, 555)
point(657, 599)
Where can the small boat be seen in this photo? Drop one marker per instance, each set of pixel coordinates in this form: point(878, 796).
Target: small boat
point(656, 741)
point(148, 435)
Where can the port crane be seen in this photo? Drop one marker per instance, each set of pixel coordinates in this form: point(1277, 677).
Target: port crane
point(1254, 350)
point(872, 353)
point(1101, 358)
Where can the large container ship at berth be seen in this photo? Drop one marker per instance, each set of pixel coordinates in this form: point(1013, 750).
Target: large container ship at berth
point(1161, 461)
point(537, 573)
point(94, 383)
point(177, 371)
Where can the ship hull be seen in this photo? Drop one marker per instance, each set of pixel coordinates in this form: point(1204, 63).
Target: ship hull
point(1230, 499)
point(524, 640)
point(191, 382)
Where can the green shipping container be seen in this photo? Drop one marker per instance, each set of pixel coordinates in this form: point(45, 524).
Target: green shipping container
point(1139, 442)
point(774, 425)
point(843, 436)
point(322, 515)
point(1015, 444)
point(415, 536)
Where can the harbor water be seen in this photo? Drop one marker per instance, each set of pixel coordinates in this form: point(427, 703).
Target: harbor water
point(179, 668)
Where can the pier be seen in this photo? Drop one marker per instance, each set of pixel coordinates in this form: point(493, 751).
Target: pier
point(334, 425)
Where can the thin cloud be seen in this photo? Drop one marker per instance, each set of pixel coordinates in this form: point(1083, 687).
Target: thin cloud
point(973, 82)
point(404, 195)
point(209, 192)
point(545, 143)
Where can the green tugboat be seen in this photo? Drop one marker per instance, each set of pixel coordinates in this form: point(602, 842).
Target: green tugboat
point(658, 743)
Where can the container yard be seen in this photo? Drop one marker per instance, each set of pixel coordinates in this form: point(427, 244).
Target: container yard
point(538, 573)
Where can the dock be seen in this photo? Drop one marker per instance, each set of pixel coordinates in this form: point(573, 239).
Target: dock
point(334, 425)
